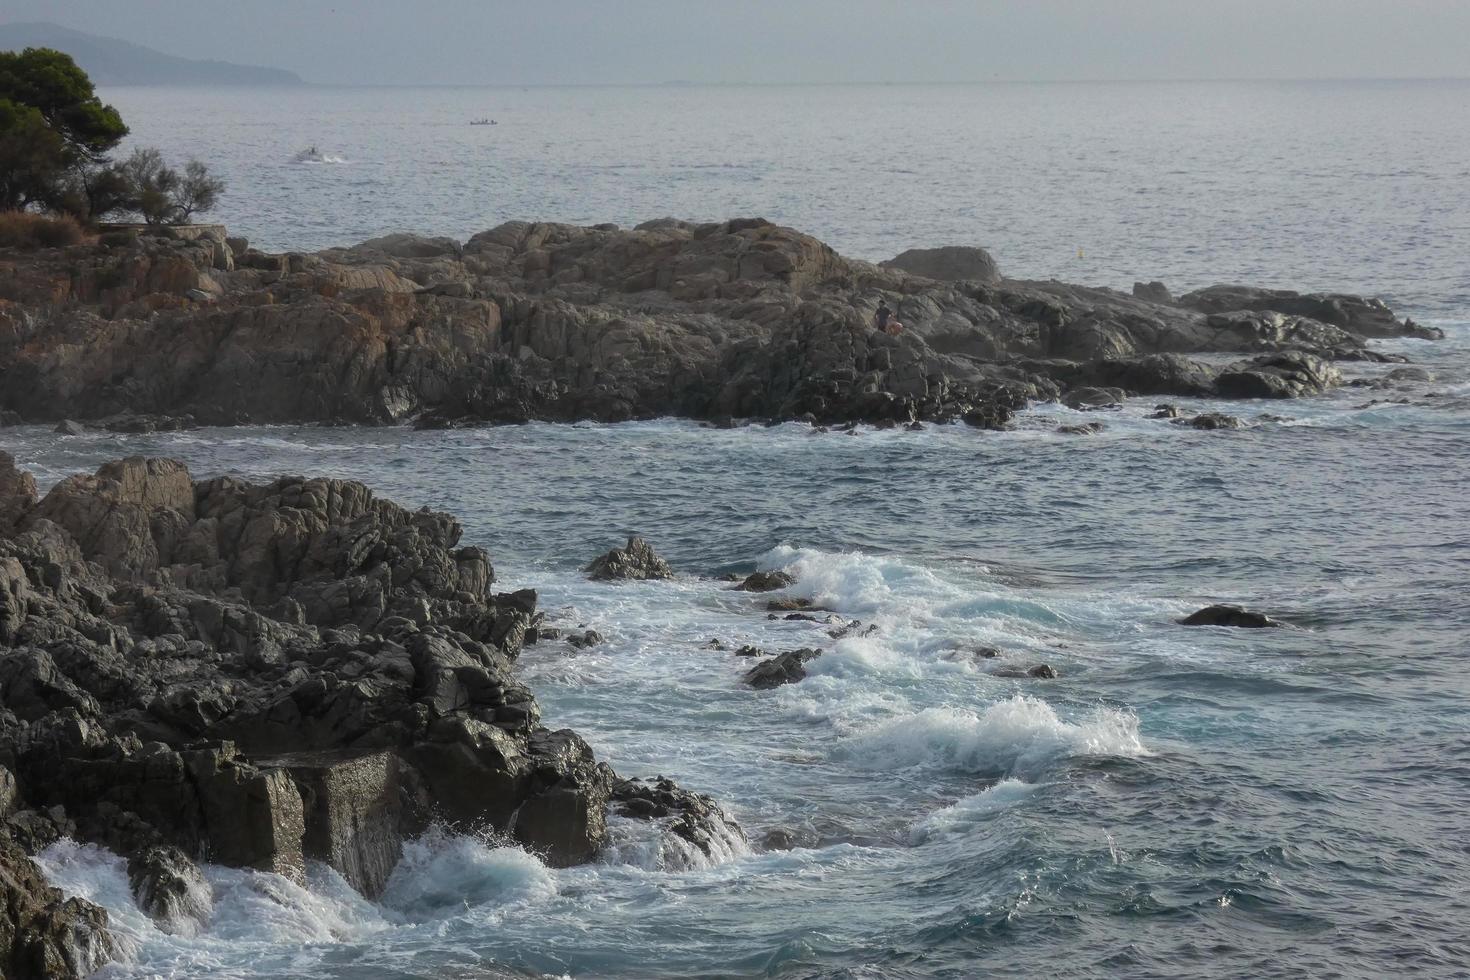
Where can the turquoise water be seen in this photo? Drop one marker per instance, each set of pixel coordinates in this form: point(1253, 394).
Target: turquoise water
point(1178, 802)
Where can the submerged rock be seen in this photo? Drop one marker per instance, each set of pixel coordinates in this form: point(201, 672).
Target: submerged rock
point(784, 668)
point(766, 581)
point(1044, 672)
point(585, 639)
point(171, 889)
point(634, 561)
point(1228, 615)
point(1211, 420)
point(1086, 429)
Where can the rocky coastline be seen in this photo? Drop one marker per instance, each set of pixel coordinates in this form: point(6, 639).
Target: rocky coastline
point(740, 320)
point(260, 676)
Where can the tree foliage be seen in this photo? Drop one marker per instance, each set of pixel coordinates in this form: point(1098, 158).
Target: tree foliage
point(55, 134)
point(51, 83)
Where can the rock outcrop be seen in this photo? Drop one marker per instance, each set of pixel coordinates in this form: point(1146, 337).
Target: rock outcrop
point(42, 933)
point(948, 263)
point(1223, 614)
point(634, 561)
point(783, 668)
point(261, 675)
point(739, 319)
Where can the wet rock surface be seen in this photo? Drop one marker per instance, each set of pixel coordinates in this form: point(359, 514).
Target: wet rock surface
point(784, 668)
point(42, 933)
point(733, 320)
point(694, 817)
point(1229, 615)
point(258, 676)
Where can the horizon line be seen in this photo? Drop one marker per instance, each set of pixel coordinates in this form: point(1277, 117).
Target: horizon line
point(681, 83)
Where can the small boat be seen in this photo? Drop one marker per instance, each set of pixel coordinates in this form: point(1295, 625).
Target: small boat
point(483, 122)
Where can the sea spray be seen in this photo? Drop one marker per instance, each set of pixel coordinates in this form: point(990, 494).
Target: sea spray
point(1019, 736)
point(441, 873)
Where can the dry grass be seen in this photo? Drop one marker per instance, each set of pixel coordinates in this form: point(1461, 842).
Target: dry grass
point(25, 229)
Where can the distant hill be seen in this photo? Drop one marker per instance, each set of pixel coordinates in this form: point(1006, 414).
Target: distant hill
point(112, 62)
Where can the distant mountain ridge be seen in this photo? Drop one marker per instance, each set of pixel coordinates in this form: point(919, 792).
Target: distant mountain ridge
point(110, 61)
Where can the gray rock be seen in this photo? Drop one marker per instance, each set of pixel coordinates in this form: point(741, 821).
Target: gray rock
point(635, 560)
point(66, 427)
point(784, 668)
point(1153, 292)
point(948, 263)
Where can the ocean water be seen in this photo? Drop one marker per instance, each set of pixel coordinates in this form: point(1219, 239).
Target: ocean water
point(1178, 801)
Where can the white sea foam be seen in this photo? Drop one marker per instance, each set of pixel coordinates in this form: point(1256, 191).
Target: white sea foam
point(962, 815)
point(1018, 736)
point(651, 846)
point(440, 873)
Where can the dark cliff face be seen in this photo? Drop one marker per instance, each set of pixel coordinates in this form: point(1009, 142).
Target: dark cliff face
point(261, 675)
point(556, 322)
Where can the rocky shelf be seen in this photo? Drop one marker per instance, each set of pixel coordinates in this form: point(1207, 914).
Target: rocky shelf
point(740, 319)
point(258, 676)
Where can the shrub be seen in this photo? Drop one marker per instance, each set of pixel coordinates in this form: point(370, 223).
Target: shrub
point(23, 229)
point(161, 194)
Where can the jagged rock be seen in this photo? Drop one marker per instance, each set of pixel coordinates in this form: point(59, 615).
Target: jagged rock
point(696, 818)
point(43, 934)
point(948, 262)
point(766, 581)
point(1228, 615)
point(1042, 672)
point(66, 427)
point(1165, 412)
point(635, 560)
point(1086, 429)
point(1289, 374)
point(788, 604)
point(586, 639)
point(784, 668)
point(171, 889)
point(265, 674)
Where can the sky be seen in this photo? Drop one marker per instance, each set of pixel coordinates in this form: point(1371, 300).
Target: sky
point(581, 42)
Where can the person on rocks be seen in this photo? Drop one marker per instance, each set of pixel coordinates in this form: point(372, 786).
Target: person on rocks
point(885, 322)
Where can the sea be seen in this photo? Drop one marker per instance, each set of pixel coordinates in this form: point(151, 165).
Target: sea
point(1178, 801)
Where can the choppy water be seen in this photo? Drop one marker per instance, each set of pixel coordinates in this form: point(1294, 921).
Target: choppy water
point(1208, 802)
point(1178, 802)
